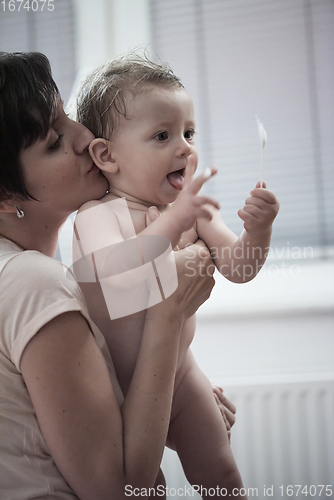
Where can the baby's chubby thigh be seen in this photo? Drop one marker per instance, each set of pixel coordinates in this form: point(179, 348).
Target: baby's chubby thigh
point(197, 429)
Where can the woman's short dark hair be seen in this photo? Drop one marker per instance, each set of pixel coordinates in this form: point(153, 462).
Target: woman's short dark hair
point(28, 100)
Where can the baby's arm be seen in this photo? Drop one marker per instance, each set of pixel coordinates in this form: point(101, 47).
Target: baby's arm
point(98, 226)
point(98, 234)
point(240, 259)
point(187, 208)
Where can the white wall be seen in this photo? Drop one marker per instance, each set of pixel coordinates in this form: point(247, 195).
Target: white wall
point(108, 28)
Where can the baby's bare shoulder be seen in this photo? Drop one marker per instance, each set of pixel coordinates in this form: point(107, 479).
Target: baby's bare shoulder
point(89, 204)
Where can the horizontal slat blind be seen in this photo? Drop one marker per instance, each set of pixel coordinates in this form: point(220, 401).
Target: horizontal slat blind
point(49, 32)
point(239, 58)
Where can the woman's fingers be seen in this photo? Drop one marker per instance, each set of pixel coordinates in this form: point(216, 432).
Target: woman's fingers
point(151, 215)
point(222, 411)
point(195, 270)
point(226, 408)
point(226, 402)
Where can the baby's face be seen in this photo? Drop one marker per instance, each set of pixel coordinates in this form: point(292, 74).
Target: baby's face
point(154, 144)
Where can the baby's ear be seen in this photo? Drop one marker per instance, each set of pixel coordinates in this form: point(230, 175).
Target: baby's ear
point(101, 155)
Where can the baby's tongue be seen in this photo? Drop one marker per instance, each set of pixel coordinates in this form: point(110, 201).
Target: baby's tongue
point(176, 179)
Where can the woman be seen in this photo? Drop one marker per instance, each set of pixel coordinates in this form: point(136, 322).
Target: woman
point(63, 433)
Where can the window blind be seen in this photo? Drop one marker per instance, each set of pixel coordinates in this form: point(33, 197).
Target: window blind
point(49, 32)
point(274, 59)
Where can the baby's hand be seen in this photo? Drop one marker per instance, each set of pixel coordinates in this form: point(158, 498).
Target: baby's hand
point(189, 205)
point(259, 211)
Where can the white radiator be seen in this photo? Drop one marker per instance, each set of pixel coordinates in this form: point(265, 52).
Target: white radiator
point(284, 436)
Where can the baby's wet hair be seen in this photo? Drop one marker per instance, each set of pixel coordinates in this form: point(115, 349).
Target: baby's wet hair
point(101, 99)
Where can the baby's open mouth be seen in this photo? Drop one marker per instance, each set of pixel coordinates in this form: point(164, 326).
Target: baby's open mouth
point(176, 178)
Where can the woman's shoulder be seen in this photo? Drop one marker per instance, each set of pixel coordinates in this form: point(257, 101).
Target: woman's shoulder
point(33, 265)
point(32, 277)
point(34, 289)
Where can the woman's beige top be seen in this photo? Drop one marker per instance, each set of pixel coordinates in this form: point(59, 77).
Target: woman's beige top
point(34, 289)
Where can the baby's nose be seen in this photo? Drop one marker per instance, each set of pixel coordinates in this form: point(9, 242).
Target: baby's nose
point(184, 148)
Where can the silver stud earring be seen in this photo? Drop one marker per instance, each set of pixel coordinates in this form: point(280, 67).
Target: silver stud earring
point(19, 212)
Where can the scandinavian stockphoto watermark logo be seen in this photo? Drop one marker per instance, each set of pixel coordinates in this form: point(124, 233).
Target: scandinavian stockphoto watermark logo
point(133, 274)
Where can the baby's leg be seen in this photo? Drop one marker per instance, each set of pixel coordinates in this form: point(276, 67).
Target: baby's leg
point(199, 435)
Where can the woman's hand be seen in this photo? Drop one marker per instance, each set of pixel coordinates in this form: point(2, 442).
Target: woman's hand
point(195, 277)
point(194, 271)
point(227, 409)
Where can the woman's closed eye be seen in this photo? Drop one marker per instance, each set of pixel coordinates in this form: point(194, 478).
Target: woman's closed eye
point(56, 144)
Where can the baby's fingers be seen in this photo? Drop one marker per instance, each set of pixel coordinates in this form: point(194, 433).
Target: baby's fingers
point(259, 185)
point(265, 195)
point(189, 173)
point(257, 202)
point(197, 183)
point(244, 215)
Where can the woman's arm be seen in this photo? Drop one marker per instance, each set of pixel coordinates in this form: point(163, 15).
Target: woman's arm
point(157, 390)
point(98, 448)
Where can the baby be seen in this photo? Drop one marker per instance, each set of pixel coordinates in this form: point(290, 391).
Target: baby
point(143, 119)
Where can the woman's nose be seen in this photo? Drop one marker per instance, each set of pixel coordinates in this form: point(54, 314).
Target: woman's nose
point(82, 138)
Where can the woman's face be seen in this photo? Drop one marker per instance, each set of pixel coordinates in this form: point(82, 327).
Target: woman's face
point(59, 172)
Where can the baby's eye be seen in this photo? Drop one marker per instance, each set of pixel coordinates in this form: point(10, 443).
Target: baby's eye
point(162, 136)
point(55, 145)
point(189, 134)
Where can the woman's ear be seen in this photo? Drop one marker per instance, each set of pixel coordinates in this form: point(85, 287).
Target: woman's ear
point(7, 206)
point(99, 150)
